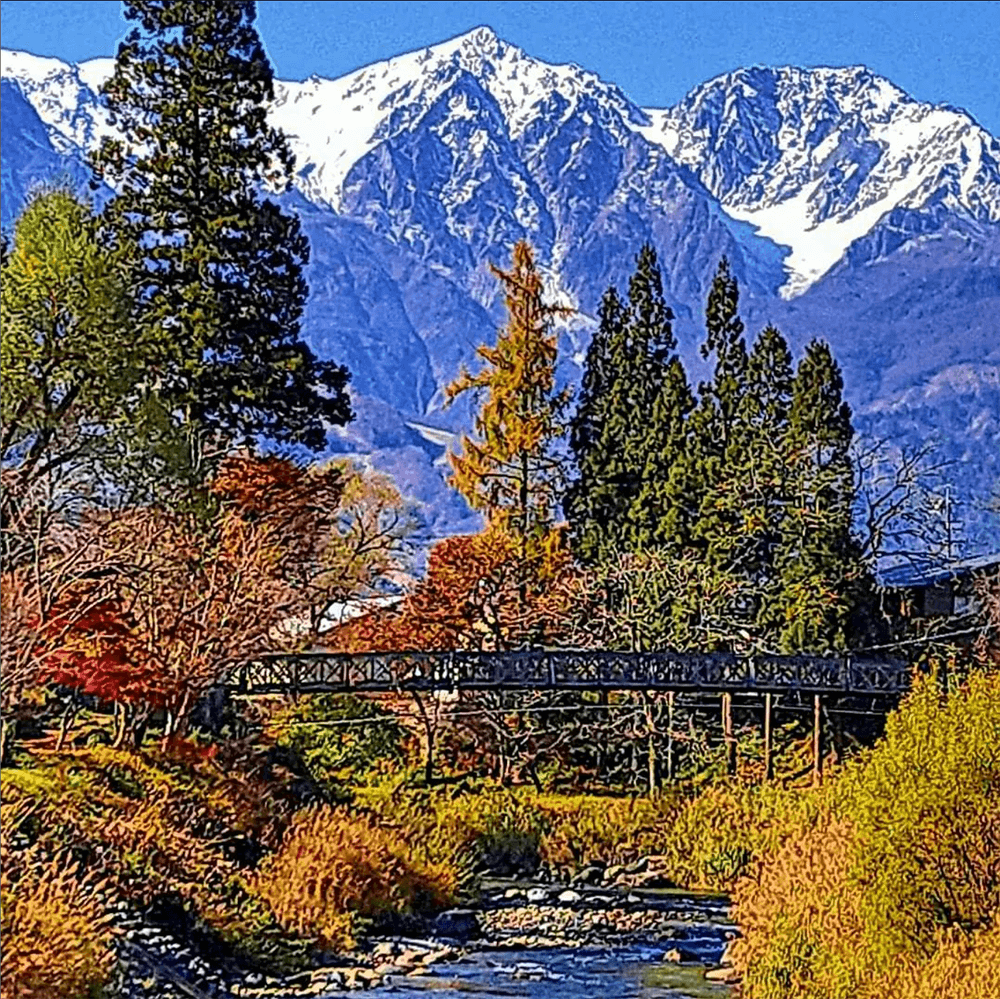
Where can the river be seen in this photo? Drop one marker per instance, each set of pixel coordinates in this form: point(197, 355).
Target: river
point(571, 973)
point(614, 948)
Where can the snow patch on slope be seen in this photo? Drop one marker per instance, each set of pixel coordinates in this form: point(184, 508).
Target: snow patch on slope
point(814, 158)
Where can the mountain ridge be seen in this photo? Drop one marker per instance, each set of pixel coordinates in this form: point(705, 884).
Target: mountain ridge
point(848, 211)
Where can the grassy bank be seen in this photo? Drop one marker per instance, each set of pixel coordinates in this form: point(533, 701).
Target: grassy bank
point(884, 881)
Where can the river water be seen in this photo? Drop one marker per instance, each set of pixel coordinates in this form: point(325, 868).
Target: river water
point(632, 968)
point(634, 972)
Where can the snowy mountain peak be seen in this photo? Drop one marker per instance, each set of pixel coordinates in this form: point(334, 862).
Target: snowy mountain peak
point(816, 158)
point(334, 123)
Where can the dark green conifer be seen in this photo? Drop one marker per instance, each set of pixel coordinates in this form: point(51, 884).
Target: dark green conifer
point(757, 464)
point(219, 276)
point(724, 339)
point(710, 453)
point(591, 499)
point(816, 559)
point(629, 427)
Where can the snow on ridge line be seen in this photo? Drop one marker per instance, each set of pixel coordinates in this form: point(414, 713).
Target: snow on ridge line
point(797, 199)
point(333, 123)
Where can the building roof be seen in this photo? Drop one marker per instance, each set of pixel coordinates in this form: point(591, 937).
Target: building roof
point(930, 573)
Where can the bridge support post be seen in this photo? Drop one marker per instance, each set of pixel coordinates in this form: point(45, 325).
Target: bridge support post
point(768, 737)
point(817, 738)
point(652, 763)
point(727, 734)
point(671, 697)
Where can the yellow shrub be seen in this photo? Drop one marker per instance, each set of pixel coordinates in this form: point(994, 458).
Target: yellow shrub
point(335, 865)
point(964, 966)
point(584, 828)
point(57, 937)
point(900, 873)
point(800, 919)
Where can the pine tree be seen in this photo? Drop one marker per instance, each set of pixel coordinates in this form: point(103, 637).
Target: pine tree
point(219, 274)
point(724, 338)
point(756, 462)
point(713, 475)
point(509, 470)
point(817, 561)
point(591, 499)
point(628, 431)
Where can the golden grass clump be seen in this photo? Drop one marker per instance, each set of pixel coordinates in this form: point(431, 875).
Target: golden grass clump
point(58, 941)
point(335, 865)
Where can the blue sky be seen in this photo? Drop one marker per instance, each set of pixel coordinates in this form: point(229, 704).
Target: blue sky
point(938, 52)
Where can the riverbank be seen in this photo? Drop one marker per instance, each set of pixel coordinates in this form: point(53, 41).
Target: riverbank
point(560, 936)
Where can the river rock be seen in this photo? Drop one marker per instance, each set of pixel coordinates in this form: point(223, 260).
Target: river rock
point(726, 975)
point(592, 874)
point(537, 895)
point(677, 955)
point(570, 897)
point(458, 924)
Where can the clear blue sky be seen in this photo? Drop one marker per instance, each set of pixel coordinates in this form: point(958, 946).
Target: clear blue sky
point(938, 52)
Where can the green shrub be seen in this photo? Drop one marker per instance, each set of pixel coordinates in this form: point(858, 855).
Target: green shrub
point(343, 739)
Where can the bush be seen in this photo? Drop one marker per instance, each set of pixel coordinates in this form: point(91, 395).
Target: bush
point(342, 739)
point(899, 873)
point(335, 866)
point(57, 935)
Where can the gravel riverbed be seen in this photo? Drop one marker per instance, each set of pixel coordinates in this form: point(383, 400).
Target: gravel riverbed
point(552, 940)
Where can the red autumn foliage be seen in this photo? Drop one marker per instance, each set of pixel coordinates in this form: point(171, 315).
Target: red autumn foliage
point(478, 593)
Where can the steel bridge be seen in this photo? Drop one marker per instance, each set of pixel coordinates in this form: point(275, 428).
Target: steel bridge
point(565, 669)
point(835, 686)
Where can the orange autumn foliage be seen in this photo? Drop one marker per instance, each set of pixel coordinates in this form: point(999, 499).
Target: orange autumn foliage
point(478, 593)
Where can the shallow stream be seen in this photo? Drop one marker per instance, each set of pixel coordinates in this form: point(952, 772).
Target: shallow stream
point(623, 967)
point(573, 973)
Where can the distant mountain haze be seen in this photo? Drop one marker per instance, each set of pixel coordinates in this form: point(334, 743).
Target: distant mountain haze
point(848, 210)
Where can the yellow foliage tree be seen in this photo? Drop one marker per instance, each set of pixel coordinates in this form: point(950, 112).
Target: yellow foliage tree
point(509, 470)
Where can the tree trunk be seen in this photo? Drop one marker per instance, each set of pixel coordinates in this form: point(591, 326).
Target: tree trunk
point(428, 739)
point(8, 729)
point(121, 725)
point(66, 723)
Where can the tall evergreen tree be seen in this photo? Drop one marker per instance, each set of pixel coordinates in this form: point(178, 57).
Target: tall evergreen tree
point(817, 561)
point(219, 273)
point(756, 463)
point(724, 339)
point(592, 497)
point(710, 455)
point(629, 427)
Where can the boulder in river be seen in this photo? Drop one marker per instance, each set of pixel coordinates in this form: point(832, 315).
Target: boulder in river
point(678, 955)
point(592, 874)
point(458, 924)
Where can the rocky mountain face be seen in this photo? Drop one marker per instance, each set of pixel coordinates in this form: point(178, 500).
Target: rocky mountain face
point(847, 209)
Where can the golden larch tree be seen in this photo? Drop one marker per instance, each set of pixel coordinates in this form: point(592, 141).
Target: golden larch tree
point(508, 470)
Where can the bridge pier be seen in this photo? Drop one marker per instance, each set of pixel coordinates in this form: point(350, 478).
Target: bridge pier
point(727, 733)
point(768, 738)
point(671, 697)
point(817, 738)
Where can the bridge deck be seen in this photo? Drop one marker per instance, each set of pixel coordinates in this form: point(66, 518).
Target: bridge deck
point(564, 669)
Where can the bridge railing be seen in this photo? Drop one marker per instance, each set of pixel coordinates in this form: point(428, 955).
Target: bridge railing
point(563, 669)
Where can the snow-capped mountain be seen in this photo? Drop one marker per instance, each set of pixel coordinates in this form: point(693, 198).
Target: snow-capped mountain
point(817, 159)
point(847, 209)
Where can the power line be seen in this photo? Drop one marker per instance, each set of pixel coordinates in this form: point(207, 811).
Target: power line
point(347, 722)
point(925, 640)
